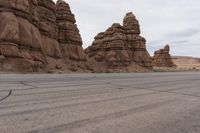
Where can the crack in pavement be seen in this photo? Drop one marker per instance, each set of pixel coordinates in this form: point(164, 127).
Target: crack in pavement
point(26, 84)
point(170, 91)
point(9, 94)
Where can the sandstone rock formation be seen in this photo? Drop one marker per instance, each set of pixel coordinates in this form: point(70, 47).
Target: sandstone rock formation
point(20, 40)
point(48, 28)
point(38, 34)
point(162, 58)
point(120, 48)
point(69, 36)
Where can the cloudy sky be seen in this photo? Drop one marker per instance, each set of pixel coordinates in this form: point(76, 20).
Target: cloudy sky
point(174, 22)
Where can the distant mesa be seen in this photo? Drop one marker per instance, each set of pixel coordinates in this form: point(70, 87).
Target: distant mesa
point(184, 62)
point(162, 58)
point(120, 48)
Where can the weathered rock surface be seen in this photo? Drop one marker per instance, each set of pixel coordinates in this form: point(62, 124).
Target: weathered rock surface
point(41, 36)
point(34, 34)
point(162, 58)
point(120, 48)
point(68, 34)
point(48, 28)
point(20, 40)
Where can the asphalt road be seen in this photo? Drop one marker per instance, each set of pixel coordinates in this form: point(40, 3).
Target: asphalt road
point(101, 103)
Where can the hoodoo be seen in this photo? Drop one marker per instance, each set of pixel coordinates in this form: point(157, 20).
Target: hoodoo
point(162, 58)
point(41, 36)
point(120, 48)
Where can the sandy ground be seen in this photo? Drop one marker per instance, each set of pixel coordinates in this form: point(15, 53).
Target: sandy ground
point(103, 103)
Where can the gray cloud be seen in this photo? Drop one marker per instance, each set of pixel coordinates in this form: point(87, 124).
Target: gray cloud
point(183, 34)
point(171, 21)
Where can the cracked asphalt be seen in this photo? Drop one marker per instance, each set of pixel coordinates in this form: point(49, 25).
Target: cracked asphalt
point(100, 103)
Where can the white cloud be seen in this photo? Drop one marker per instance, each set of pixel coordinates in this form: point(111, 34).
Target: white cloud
point(170, 21)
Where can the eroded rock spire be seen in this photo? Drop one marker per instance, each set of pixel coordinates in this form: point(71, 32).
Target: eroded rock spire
point(120, 47)
point(162, 58)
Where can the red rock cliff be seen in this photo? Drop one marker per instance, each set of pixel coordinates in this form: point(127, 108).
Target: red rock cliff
point(36, 33)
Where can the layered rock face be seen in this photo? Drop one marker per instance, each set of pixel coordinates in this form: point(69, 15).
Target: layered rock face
point(32, 31)
point(48, 28)
point(20, 39)
point(69, 36)
point(120, 46)
point(162, 58)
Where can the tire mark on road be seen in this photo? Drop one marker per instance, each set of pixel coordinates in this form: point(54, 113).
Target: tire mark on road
point(75, 104)
point(103, 82)
point(98, 119)
point(67, 98)
point(125, 89)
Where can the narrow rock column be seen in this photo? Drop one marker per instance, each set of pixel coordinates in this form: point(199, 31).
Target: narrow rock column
point(68, 33)
point(162, 58)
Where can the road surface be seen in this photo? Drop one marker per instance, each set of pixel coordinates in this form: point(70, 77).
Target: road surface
point(100, 103)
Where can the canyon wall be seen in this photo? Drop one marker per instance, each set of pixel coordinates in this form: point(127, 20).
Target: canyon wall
point(39, 35)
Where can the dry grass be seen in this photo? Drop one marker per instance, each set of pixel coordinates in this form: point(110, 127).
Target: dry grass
point(175, 69)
